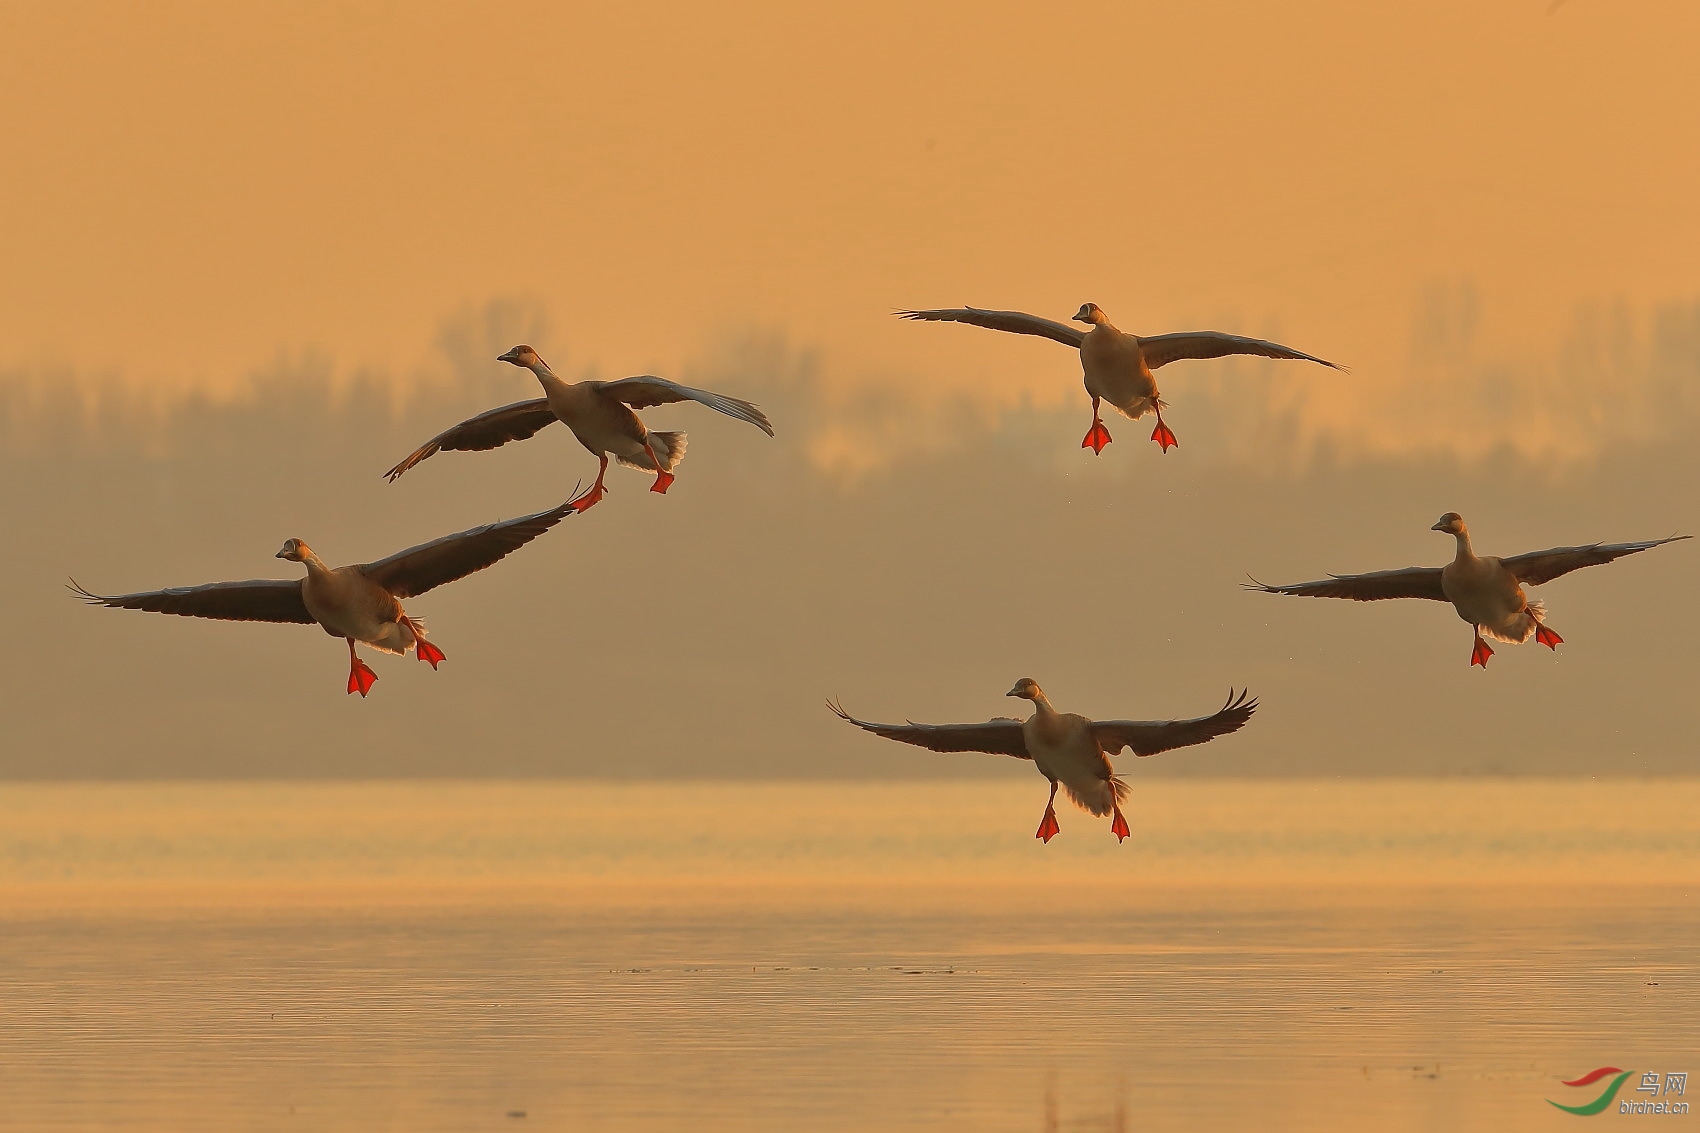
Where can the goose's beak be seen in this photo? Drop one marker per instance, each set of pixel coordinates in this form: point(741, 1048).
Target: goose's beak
point(510, 356)
point(1016, 691)
point(1441, 526)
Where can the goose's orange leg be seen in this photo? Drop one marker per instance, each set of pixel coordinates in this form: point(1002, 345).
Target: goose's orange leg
point(1119, 826)
point(1480, 652)
point(360, 678)
point(1547, 637)
point(423, 649)
point(1048, 827)
point(663, 478)
point(1162, 434)
point(588, 500)
point(1096, 437)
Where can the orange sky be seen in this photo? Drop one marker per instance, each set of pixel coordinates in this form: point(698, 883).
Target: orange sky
point(192, 188)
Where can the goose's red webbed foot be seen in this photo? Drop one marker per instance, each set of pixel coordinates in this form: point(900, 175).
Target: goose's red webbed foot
point(589, 499)
point(1048, 827)
point(663, 478)
point(1480, 652)
point(1096, 437)
point(360, 677)
point(423, 649)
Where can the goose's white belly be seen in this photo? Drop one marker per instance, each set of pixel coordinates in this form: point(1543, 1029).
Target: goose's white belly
point(376, 632)
point(1064, 749)
point(1114, 369)
point(343, 608)
point(1484, 594)
point(600, 424)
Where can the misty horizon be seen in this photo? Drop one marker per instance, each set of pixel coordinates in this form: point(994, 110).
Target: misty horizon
point(898, 585)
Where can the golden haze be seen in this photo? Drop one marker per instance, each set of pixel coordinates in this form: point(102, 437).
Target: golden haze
point(202, 186)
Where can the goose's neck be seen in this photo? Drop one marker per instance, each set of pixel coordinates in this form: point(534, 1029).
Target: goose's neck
point(1042, 705)
point(546, 377)
point(1465, 554)
point(314, 564)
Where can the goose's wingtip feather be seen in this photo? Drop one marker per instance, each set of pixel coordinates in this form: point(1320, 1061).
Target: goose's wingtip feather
point(84, 594)
point(937, 314)
point(413, 458)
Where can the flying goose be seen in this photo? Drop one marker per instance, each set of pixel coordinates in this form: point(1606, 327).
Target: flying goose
point(1486, 592)
point(1067, 748)
point(1118, 366)
point(600, 416)
point(359, 603)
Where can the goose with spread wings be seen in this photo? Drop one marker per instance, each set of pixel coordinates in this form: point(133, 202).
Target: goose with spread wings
point(1486, 592)
point(601, 415)
point(1066, 748)
point(1117, 366)
point(358, 603)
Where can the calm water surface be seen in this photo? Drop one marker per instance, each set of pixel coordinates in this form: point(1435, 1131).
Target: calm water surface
point(638, 957)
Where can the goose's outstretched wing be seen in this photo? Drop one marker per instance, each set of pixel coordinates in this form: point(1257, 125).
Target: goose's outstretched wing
point(1406, 582)
point(491, 429)
point(418, 569)
point(1161, 349)
point(257, 600)
point(1148, 737)
point(644, 391)
point(1016, 322)
point(1537, 567)
point(997, 737)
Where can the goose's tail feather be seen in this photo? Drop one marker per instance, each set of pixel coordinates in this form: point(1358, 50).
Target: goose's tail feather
point(1520, 628)
point(1100, 796)
point(1139, 407)
point(669, 449)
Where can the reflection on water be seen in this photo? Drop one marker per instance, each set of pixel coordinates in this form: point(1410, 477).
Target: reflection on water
point(440, 956)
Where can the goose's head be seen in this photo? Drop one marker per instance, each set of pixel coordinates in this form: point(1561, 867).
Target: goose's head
point(295, 551)
point(1452, 523)
point(1090, 313)
point(520, 356)
point(1026, 688)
